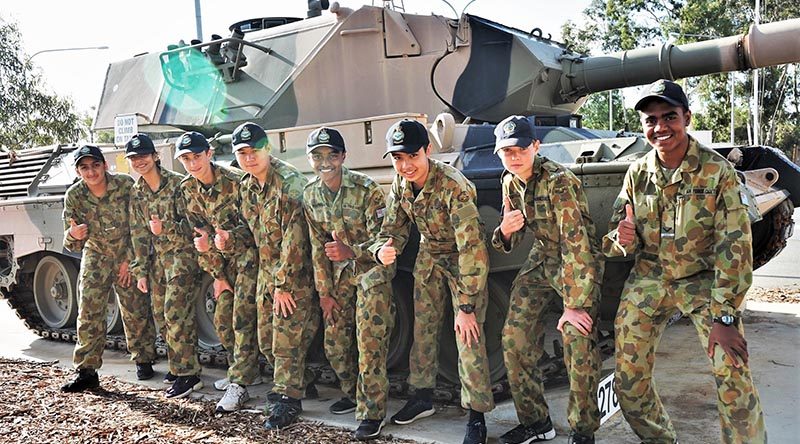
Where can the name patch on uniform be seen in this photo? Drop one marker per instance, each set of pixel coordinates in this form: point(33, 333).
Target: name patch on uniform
point(380, 212)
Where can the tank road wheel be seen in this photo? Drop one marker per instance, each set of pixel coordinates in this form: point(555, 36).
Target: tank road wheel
point(55, 291)
point(403, 331)
point(205, 305)
point(113, 315)
point(496, 311)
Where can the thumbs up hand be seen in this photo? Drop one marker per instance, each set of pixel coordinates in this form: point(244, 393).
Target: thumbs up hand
point(79, 232)
point(155, 225)
point(626, 230)
point(336, 250)
point(513, 220)
point(387, 254)
point(201, 242)
point(221, 239)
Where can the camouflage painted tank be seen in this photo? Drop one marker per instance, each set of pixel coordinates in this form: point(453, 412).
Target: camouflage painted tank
point(360, 71)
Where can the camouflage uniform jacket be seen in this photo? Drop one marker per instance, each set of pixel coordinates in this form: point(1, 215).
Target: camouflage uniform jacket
point(168, 204)
point(274, 215)
point(107, 218)
point(355, 214)
point(213, 207)
point(451, 233)
point(556, 212)
point(694, 222)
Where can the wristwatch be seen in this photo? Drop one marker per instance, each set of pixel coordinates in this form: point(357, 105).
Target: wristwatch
point(467, 308)
point(726, 320)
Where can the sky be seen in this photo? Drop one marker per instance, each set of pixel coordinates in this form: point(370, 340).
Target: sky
point(130, 28)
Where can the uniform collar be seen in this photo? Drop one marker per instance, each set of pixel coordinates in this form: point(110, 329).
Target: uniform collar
point(140, 182)
point(431, 182)
point(347, 178)
point(537, 171)
point(690, 162)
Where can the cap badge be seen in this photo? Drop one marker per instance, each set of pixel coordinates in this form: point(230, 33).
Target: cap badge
point(398, 136)
point(85, 150)
point(135, 142)
point(186, 141)
point(323, 136)
point(245, 134)
point(659, 87)
point(509, 128)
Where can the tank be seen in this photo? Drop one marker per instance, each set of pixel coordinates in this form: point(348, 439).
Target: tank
point(360, 71)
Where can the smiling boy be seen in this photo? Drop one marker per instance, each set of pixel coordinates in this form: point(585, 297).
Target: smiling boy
point(96, 224)
point(344, 210)
point(452, 260)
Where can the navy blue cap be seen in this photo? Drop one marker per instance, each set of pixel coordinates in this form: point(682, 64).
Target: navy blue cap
point(249, 135)
point(139, 144)
point(406, 136)
point(191, 142)
point(325, 136)
point(665, 90)
point(514, 131)
point(88, 151)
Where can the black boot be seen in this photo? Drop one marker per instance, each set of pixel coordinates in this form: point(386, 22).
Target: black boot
point(86, 379)
point(285, 412)
point(577, 438)
point(144, 371)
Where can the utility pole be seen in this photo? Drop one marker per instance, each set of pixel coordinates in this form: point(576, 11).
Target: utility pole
point(730, 78)
point(756, 122)
point(198, 19)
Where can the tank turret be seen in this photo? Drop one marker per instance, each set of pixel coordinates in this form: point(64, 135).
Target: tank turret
point(286, 72)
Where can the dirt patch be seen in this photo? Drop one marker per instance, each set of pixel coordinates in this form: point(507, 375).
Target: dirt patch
point(788, 294)
point(33, 409)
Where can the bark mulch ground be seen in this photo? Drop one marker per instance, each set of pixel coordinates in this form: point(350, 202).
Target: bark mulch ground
point(33, 410)
point(789, 294)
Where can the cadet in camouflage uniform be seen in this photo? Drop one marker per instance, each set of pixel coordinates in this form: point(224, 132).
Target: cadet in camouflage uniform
point(344, 210)
point(564, 263)
point(170, 273)
point(682, 216)
point(96, 224)
point(288, 309)
point(452, 256)
point(212, 199)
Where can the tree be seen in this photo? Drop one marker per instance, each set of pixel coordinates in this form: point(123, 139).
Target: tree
point(29, 115)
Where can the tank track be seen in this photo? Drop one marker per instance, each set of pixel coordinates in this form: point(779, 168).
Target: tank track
point(446, 392)
point(780, 229)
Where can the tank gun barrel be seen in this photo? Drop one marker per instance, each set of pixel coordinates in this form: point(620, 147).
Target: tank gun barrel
point(763, 45)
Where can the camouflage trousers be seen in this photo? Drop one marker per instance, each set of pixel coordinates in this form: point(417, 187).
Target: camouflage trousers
point(98, 274)
point(473, 364)
point(172, 284)
point(357, 343)
point(285, 341)
point(638, 329)
point(523, 346)
point(235, 319)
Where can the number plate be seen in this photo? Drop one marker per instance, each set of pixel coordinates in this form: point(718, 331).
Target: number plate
point(607, 398)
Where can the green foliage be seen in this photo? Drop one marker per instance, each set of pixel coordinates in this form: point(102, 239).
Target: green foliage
point(29, 115)
point(595, 113)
